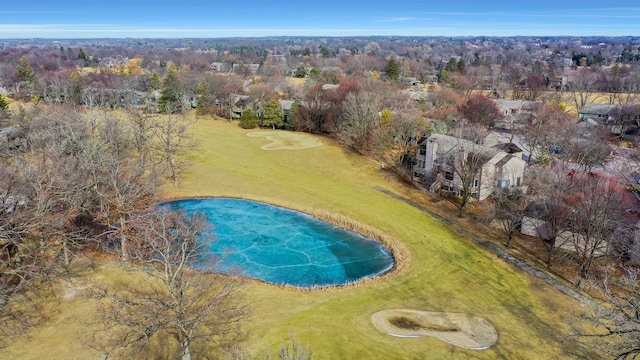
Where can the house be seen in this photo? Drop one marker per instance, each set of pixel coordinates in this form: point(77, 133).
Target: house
point(409, 81)
point(500, 169)
point(509, 107)
point(510, 148)
point(532, 223)
point(422, 97)
point(282, 58)
point(219, 67)
point(286, 105)
point(516, 113)
point(618, 119)
point(241, 103)
point(602, 113)
point(242, 68)
point(327, 87)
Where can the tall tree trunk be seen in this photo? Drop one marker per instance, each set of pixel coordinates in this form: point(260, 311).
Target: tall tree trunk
point(65, 252)
point(123, 238)
point(186, 351)
point(174, 173)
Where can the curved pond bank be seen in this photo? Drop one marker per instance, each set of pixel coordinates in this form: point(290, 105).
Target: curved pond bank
point(282, 246)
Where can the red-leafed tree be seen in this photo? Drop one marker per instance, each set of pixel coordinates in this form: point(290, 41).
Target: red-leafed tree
point(480, 109)
point(311, 115)
point(336, 99)
point(535, 84)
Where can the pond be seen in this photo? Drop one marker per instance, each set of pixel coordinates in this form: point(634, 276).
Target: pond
point(281, 246)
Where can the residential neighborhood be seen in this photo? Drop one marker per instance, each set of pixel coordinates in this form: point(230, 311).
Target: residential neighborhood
point(484, 178)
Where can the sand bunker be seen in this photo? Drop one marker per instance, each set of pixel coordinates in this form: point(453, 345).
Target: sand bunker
point(462, 330)
point(281, 140)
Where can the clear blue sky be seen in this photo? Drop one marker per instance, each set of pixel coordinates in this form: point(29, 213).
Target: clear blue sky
point(215, 18)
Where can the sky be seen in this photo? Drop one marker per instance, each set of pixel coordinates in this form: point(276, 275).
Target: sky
point(66, 19)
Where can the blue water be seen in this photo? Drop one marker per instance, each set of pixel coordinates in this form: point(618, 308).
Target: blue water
point(282, 246)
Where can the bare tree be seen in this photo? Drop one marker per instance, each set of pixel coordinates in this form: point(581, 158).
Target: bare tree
point(173, 141)
point(594, 220)
point(548, 212)
point(181, 302)
point(583, 88)
point(613, 328)
point(588, 153)
point(23, 264)
point(360, 118)
point(141, 125)
point(464, 163)
point(550, 126)
point(293, 350)
point(312, 114)
point(508, 210)
point(124, 189)
point(405, 131)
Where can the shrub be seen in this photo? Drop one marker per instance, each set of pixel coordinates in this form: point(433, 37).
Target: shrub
point(248, 120)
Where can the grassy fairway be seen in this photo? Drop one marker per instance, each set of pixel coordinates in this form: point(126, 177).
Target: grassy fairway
point(447, 272)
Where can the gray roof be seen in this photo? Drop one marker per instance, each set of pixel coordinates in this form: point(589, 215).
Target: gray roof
point(418, 95)
point(601, 109)
point(509, 148)
point(509, 104)
point(329, 86)
point(286, 104)
point(447, 143)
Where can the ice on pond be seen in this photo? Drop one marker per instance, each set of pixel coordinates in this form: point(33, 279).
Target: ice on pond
point(282, 246)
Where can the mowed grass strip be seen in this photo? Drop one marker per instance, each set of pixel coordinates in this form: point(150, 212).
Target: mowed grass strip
point(447, 272)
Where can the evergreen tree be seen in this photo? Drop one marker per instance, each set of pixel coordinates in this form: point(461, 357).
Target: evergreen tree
point(83, 59)
point(301, 71)
point(155, 80)
point(25, 71)
point(452, 65)
point(4, 105)
point(4, 110)
point(248, 120)
point(273, 114)
point(26, 76)
point(315, 74)
point(63, 55)
point(393, 70)
point(70, 55)
point(290, 119)
point(170, 93)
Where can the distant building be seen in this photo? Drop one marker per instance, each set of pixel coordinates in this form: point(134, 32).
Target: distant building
point(239, 68)
point(220, 67)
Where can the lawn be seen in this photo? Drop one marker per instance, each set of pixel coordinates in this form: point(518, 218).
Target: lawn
point(447, 272)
